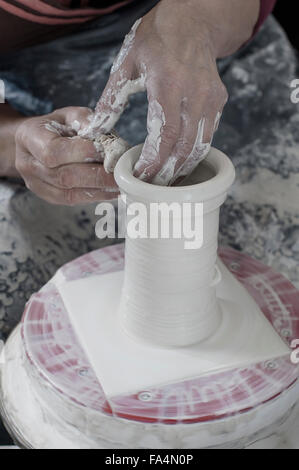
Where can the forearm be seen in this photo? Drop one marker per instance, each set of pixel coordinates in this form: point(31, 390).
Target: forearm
point(227, 24)
point(231, 22)
point(9, 122)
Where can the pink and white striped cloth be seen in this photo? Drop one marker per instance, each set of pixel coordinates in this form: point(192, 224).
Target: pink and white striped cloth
point(56, 12)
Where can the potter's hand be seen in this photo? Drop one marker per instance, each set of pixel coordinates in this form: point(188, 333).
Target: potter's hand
point(59, 166)
point(172, 54)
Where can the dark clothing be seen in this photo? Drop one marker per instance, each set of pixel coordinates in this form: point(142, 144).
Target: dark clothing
point(46, 20)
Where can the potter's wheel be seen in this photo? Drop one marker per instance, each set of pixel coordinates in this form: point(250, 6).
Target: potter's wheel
point(51, 398)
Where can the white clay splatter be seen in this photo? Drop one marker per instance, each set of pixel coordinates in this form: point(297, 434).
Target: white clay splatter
point(156, 122)
point(199, 152)
point(108, 189)
point(109, 110)
point(217, 121)
point(126, 47)
point(115, 101)
point(166, 173)
point(200, 149)
point(90, 195)
point(52, 128)
point(76, 126)
point(59, 129)
point(93, 160)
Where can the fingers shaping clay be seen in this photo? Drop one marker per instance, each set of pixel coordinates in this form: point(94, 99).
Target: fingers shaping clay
point(113, 147)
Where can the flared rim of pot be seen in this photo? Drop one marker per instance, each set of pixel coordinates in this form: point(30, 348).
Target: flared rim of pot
point(217, 161)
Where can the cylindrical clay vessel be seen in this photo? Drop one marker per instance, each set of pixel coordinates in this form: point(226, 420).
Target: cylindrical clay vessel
point(169, 292)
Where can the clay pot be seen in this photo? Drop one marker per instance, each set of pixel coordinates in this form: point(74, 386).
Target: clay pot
point(169, 293)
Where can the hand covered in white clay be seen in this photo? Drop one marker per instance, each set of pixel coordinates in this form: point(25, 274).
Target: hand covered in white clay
point(185, 93)
point(171, 53)
point(167, 54)
point(57, 164)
